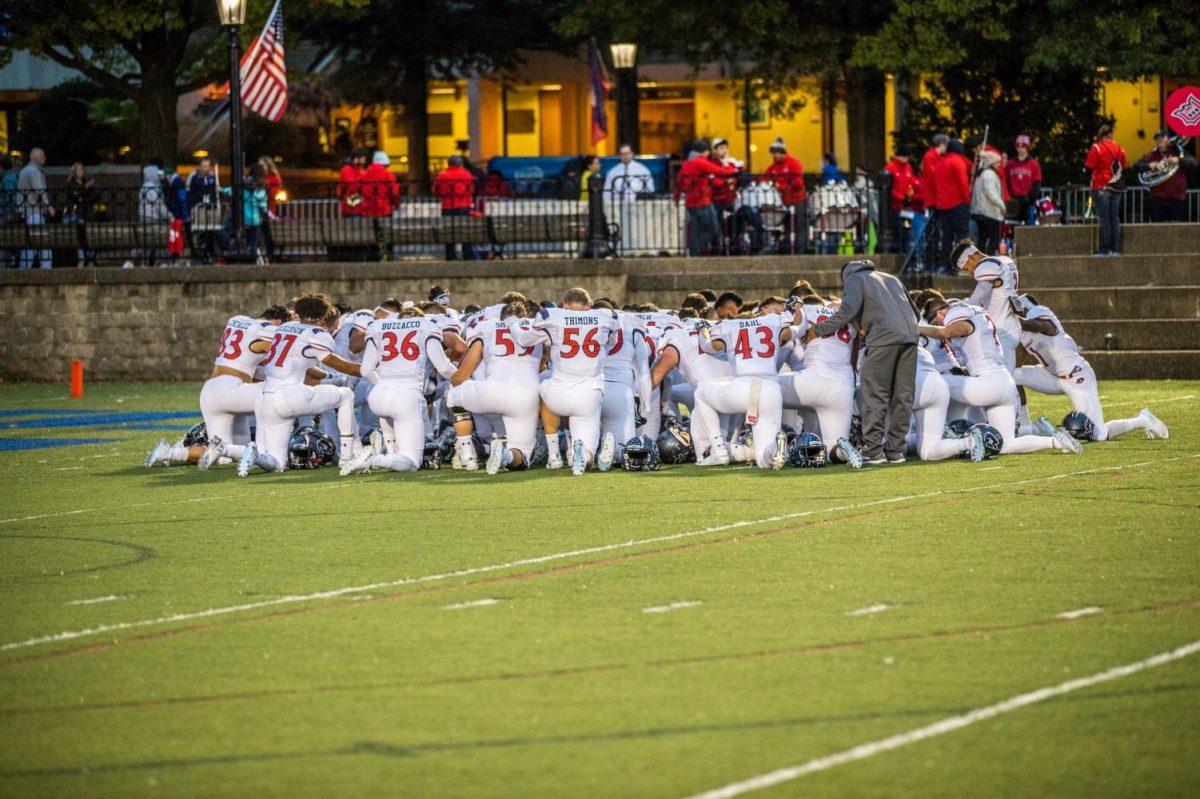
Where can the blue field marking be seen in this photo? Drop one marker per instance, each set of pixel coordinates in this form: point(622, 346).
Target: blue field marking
point(47, 412)
point(146, 427)
point(101, 418)
point(16, 444)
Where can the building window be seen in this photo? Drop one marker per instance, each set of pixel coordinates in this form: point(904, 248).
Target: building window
point(520, 120)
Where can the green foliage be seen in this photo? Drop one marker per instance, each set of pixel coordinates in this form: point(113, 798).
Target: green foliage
point(79, 121)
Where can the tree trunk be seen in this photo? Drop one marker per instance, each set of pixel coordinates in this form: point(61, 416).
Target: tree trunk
point(414, 94)
point(865, 115)
point(157, 100)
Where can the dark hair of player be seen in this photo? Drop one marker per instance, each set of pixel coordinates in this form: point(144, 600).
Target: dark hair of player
point(531, 308)
point(688, 313)
point(433, 308)
point(408, 313)
point(959, 247)
point(577, 295)
point(313, 307)
point(472, 308)
point(708, 294)
point(729, 296)
point(801, 288)
point(516, 309)
point(392, 304)
point(771, 300)
point(342, 307)
point(603, 302)
point(925, 295)
point(437, 290)
point(629, 308)
point(276, 313)
point(512, 296)
point(647, 307)
point(812, 299)
point(932, 306)
point(694, 301)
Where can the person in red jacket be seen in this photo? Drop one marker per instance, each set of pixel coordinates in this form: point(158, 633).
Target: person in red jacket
point(1107, 160)
point(929, 164)
point(350, 188)
point(724, 188)
point(1024, 175)
point(455, 188)
point(787, 173)
point(694, 183)
point(1168, 200)
point(381, 192)
point(952, 187)
point(903, 187)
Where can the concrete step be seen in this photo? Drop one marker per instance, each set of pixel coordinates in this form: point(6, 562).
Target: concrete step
point(1182, 237)
point(1136, 334)
point(1124, 302)
point(1127, 270)
point(1146, 365)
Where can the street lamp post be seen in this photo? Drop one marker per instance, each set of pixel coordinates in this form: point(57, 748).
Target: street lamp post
point(624, 58)
point(233, 15)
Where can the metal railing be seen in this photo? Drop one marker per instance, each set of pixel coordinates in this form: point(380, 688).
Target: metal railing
point(1075, 203)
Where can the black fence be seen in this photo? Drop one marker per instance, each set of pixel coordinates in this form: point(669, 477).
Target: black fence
point(475, 217)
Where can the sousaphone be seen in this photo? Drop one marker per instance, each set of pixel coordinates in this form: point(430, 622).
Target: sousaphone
point(1162, 170)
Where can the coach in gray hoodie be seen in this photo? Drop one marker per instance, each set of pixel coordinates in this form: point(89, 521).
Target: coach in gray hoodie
point(887, 365)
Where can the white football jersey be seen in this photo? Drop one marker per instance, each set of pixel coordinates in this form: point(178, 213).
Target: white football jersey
point(619, 361)
point(696, 365)
point(398, 348)
point(579, 342)
point(1058, 353)
point(980, 351)
point(925, 362)
point(356, 320)
point(503, 358)
point(831, 352)
point(1003, 269)
point(240, 333)
point(752, 344)
point(295, 347)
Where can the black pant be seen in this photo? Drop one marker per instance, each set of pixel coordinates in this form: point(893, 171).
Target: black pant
point(1168, 209)
point(888, 380)
point(955, 225)
point(469, 253)
point(989, 233)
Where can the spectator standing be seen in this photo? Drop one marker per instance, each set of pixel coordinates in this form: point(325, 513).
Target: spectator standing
point(622, 185)
point(829, 170)
point(787, 173)
point(454, 186)
point(929, 164)
point(1168, 200)
point(591, 191)
point(1108, 162)
point(724, 189)
point(694, 182)
point(201, 217)
point(1024, 176)
point(589, 176)
point(33, 201)
point(273, 184)
point(887, 366)
point(868, 201)
point(952, 187)
point(350, 183)
point(381, 190)
point(904, 190)
point(987, 202)
point(77, 206)
point(8, 203)
point(152, 210)
point(254, 209)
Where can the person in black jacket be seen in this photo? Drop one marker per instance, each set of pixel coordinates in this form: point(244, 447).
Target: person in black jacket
point(77, 207)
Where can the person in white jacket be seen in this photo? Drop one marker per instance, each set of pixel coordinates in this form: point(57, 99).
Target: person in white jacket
point(987, 202)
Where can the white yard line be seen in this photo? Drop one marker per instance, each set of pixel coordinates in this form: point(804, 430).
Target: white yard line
point(950, 724)
point(1075, 614)
point(673, 606)
point(1156, 403)
point(335, 593)
point(474, 603)
point(97, 600)
point(869, 610)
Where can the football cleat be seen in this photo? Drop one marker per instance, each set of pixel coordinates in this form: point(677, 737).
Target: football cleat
point(249, 455)
point(608, 450)
point(375, 441)
point(1154, 426)
point(1067, 442)
point(554, 459)
point(159, 454)
point(495, 461)
point(578, 458)
point(781, 451)
point(854, 458)
point(976, 453)
point(468, 460)
point(361, 462)
point(717, 456)
point(213, 450)
point(1043, 427)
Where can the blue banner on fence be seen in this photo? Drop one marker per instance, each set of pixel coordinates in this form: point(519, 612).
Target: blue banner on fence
point(526, 175)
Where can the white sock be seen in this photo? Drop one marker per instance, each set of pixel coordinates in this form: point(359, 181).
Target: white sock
point(552, 442)
point(1023, 416)
point(178, 455)
point(1119, 427)
point(347, 447)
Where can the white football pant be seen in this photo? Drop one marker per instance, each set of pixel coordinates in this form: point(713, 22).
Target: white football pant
point(225, 402)
point(996, 393)
point(736, 396)
point(278, 407)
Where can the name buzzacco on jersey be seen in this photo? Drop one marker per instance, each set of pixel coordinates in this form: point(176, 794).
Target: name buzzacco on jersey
point(401, 324)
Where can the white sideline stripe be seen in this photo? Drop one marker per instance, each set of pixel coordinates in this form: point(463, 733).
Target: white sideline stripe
point(863, 751)
point(335, 593)
point(673, 606)
point(1075, 614)
point(474, 603)
point(97, 600)
point(867, 611)
point(1157, 402)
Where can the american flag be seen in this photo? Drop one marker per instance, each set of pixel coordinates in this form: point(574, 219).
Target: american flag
point(597, 93)
point(264, 76)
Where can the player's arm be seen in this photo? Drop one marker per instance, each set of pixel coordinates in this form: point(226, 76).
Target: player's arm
point(260, 346)
point(641, 370)
point(437, 355)
point(852, 302)
point(314, 376)
point(469, 363)
point(668, 359)
point(1038, 324)
point(453, 344)
point(527, 338)
point(959, 328)
point(708, 344)
point(342, 365)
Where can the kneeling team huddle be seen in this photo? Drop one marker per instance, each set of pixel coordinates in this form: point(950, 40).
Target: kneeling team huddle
point(518, 385)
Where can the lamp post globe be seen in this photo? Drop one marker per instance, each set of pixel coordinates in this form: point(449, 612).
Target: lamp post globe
point(624, 60)
point(232, 14)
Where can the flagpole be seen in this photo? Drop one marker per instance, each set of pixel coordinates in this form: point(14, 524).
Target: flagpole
point(235, 136)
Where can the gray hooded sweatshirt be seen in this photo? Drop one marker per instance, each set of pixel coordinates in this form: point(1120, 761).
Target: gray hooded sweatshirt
point(878, 302)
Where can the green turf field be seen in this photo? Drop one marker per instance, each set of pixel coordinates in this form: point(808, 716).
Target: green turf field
point(444, 634)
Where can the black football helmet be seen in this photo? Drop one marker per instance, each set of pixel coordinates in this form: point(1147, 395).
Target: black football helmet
point(1079, 426)
point(675, 443)
point(309, 448)
point(791, 434)
point(366, 435)
point(196, 437)
point(445, 443)
point(992, 440)
point(432, 457)
point(640, 455)
point(856, 439)
point(957, 428)
point(808, 452)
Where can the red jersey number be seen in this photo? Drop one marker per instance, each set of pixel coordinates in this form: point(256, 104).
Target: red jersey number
point(743, 347)
point(504, 340)
point(281, 344)
point(844, 335)
point(571, 346)
point(408, 348)
point(231, 344)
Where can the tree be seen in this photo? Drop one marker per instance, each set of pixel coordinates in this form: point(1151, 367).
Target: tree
point(391, 49)
point(77, 121)
point(149, 51)
point(778, 42)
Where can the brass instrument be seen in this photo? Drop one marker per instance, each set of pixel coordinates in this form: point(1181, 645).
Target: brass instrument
point(1164, 169)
